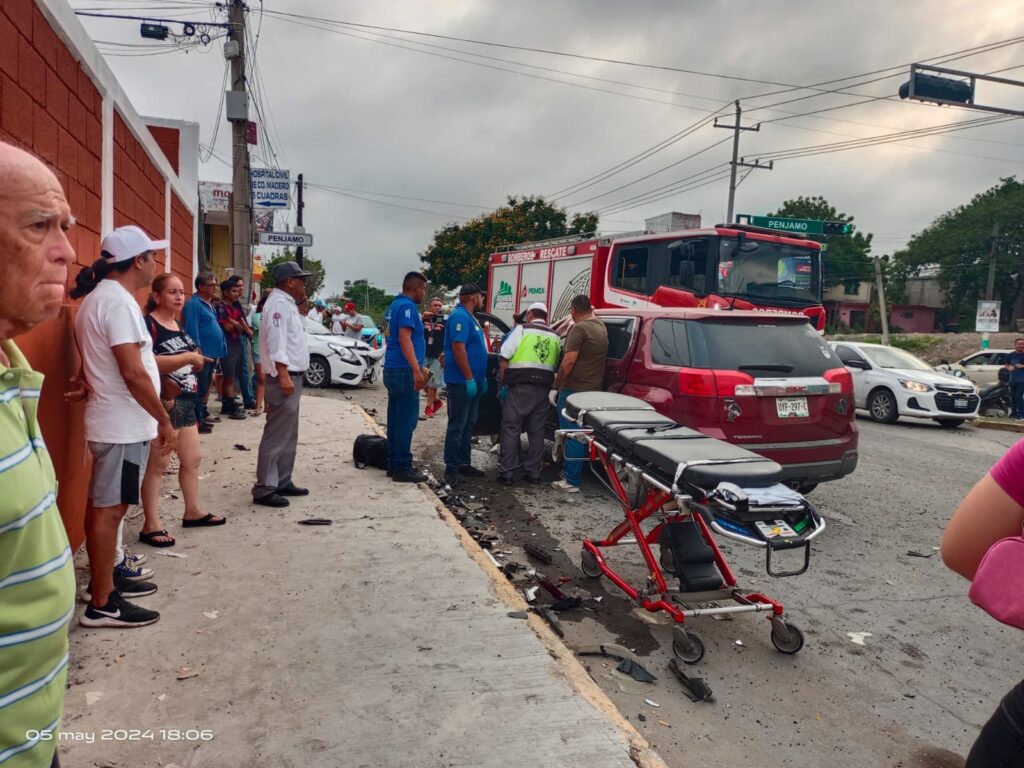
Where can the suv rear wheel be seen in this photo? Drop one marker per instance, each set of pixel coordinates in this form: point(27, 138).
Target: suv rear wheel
point(950, 423)
point(882, 406)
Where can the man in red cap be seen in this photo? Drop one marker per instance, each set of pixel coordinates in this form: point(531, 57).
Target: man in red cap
point(351, 322)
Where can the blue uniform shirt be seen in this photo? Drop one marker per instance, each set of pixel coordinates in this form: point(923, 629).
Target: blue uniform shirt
point(1016, 374)
point(403, 313)
point(463, 327)
point(200, 321)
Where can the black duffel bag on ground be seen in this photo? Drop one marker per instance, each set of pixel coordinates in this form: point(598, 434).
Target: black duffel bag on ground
point(370, 451)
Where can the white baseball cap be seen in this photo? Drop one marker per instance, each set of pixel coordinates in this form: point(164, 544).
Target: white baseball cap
point(126, 243)
point(537, 306)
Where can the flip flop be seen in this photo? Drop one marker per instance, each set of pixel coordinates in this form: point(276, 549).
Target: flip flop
point(151, 536)
point(202, 522)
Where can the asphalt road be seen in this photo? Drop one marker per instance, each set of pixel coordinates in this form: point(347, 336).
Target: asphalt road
point(929, 673)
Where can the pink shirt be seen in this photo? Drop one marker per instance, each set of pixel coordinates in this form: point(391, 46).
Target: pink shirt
point(1009, 472)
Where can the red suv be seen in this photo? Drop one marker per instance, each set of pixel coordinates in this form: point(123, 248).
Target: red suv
point(767, 382)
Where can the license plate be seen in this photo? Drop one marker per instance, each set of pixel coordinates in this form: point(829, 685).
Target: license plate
point(792, 408)
point(960, 402)
point(777, 529)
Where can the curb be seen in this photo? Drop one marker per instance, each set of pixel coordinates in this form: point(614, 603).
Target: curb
point(999, 426)
point(574, 673)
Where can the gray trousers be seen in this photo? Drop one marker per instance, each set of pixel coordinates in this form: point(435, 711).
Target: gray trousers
point(280, 438)
point(525, 410)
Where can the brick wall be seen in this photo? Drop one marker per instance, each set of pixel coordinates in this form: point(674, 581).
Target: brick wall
point(49, 105)
point(169, 140)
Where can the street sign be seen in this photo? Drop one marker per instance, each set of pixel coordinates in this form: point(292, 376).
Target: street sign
point(799, 226)
point(289, 239)
point(987, 318)
point(271, 187)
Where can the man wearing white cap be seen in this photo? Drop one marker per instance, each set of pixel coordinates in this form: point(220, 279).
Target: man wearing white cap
point(123, 415)
point(526, 371)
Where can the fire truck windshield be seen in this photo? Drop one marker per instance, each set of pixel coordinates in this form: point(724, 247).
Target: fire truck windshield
point(762, 271)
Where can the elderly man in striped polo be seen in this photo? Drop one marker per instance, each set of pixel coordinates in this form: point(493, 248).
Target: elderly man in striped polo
point(37, 582)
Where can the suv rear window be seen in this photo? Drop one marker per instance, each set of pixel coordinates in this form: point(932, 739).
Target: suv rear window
point(759, 348)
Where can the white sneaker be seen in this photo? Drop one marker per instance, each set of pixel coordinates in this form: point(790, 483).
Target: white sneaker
point(562, 485)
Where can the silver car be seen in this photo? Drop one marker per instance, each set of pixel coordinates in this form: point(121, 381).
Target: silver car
point(982, 367)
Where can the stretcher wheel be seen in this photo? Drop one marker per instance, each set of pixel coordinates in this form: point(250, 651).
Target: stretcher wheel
point(687, 646)
point(668, 562)
point(589, 566)
point(790, 641)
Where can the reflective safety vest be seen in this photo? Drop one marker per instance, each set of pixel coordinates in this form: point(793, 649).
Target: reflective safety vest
point(536, 358)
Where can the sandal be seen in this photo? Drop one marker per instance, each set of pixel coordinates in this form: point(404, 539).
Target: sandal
point(204, 521)
point(152, 536)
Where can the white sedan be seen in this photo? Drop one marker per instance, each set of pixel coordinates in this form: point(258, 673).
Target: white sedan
point(890, 382)
point(339, 360)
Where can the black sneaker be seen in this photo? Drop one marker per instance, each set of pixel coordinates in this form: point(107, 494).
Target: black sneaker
point(506, 480)
point(292, 490)
point(534, 480)
point(273, 500)
point(204, 428)
point(467, 470)
point(453, 478)
point(408, 476)
point(118, 612)
point(237, 416)
point(211, 419)
point(126, 587)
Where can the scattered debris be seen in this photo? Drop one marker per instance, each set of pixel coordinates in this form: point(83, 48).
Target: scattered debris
point(642, 717)
point(165, 553)
point(210, 614)
point(518, 614)
point(161, 697)
point(315, 521)
point(635, 670)
point(184, 673)
point(240, 447)
point(551, 589)
point(915, 553)
point(857, 638)
point(564, 579)
point(91, 697)
point(606, 649)
point(695, 687)
point(530, 593)
point(652, 703)
point(662, 722)
point(910, 695)
point(537, 553)
point(567, 604)
point(739, 642)
point(551, 619)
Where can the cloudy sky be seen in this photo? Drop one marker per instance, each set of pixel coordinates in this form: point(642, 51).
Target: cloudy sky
point(416, 131)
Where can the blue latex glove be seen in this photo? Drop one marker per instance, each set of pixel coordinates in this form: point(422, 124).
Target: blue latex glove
point(503, 393)
point(471, 388)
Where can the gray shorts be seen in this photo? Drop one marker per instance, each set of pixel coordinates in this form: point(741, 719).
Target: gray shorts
point(117, 472)
point(433, 365)
point(231, 365)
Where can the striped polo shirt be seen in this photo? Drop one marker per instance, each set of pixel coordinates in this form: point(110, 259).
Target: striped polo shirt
point(37, 579)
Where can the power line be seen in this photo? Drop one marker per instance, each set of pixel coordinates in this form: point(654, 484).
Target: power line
point(448, 216)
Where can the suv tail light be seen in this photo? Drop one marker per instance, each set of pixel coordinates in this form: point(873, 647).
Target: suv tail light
point(701, 382)
point(839, 381)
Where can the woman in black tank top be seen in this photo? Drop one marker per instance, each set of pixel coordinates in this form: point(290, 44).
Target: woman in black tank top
point(178, 359)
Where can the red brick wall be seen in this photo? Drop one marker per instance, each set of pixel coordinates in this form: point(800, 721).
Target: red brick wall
point(181, 242)
point(49, 106)
point(169, 140)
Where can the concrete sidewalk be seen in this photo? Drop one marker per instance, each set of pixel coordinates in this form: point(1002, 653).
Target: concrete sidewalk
point(382, 640)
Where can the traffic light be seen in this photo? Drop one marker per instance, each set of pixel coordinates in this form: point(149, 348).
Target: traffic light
point(943, 90)
point(154, 31)
point(836, 228)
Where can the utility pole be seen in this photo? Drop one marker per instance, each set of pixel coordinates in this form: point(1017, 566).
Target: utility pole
point(299, 250)
point(990, 289)
point(883, 313)
point(241, 193)
point(737, 161)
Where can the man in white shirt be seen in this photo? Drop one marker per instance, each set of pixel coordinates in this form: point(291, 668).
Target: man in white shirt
point(284, 355)
point(316, 313)
point(123, 414)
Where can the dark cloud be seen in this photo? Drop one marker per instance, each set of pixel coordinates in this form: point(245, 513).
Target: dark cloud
point(365, 115)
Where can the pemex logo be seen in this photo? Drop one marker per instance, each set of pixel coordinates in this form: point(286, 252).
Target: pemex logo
point(503, 300)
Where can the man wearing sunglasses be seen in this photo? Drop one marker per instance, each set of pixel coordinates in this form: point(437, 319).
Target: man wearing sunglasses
point(200, 321)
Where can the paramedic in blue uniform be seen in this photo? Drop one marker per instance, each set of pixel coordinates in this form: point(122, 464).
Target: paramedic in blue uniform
point(404, 376)
point(465, 378)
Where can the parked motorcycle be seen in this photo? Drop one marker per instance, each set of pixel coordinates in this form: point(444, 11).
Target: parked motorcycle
point(995, 399)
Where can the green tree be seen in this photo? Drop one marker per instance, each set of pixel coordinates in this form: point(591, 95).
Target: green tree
point(848, 257)
point(313, 283)
point(960, 242)
point(459, 252)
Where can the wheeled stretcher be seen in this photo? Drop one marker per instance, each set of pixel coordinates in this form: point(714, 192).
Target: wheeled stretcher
point(693, 487)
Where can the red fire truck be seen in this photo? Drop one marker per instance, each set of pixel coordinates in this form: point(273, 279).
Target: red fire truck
point(735, 266)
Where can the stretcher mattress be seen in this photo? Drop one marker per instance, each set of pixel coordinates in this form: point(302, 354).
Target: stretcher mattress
point(675, 453)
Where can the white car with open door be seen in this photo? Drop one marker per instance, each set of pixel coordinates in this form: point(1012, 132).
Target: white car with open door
point(982, 367)
point(889, 382)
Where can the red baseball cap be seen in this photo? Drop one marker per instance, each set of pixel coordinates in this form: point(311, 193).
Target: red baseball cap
point(350, 307)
